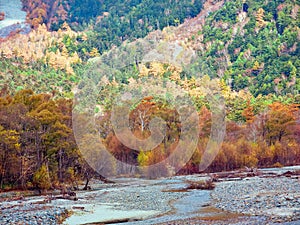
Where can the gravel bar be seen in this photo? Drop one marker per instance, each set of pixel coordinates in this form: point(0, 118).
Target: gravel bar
point(277, 198)
point(31, 214)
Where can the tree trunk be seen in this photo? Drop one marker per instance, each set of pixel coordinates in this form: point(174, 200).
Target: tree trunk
point(86, 183)
point(60, 165)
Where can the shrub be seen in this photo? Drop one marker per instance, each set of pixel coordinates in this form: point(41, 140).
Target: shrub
point(277, 165)
point(41, 178)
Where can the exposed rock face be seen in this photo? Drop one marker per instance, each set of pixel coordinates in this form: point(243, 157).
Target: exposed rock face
point(192, 26)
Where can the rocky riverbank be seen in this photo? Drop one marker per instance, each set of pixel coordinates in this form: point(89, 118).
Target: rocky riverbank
point(18, 28)
point(272, 196)
point(278, 198)
point(13, 12)
point(21, 212)
point(127, 200)
point(12, 18)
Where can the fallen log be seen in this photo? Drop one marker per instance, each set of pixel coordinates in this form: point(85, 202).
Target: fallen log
point(67, 197)
point(78, 207)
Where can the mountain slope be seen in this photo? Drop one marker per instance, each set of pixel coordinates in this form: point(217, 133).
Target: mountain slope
point(252, 45)
point(111, 22)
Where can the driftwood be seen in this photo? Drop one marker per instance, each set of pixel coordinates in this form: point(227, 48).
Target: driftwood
point(63, 193)
point(292, 174)
point(78, 207)
point(250, 172)
point(68, 194)
point(201, 185)
point(112, 221)
point(17, 198)
point(67, 197)
point(233, 175)
point(192, 185)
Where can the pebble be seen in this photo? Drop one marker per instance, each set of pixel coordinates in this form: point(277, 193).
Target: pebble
point(275, 197)
point(255, 197)
point(32, 214)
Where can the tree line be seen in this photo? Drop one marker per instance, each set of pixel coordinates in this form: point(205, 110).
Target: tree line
point(38, 149)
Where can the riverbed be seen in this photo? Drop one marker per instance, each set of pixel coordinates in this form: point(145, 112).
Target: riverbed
point(13, 12)
point(14, 18)
point(272, 197)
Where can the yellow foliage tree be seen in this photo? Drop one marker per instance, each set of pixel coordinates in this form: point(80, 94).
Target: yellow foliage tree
point(256, 66)
point(35, 46)
point(94, 53)
point(65, 26)
point(41, 178)
point(260, 18)
point(64, 51)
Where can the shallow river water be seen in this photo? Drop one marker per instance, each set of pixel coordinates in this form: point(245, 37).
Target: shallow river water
point(13, 12)
point(14, 19)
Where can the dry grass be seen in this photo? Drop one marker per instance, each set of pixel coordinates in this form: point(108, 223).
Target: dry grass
point(64, 216)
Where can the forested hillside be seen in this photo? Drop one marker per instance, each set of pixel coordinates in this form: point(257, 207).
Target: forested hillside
point(253, 45)
point(250, 50)
point(109, 23)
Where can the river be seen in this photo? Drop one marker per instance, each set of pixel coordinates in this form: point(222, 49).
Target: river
point(136, 201)
point(13, 12)
point(191, 207)
point(14, 17)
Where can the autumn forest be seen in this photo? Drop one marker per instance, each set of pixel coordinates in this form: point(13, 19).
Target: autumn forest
point(251, 53)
